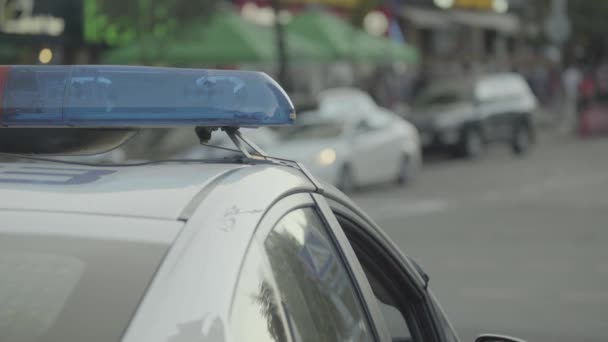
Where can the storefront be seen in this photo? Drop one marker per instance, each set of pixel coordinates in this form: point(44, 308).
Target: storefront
point(40, 32)
point(462, 34)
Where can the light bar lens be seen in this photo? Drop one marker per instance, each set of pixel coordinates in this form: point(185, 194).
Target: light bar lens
point(94, 96)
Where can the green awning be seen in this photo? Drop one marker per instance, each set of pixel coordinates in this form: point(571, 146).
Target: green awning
point(403, 52)
point(225, 39)
point(369, 48)
point(334, 34)
point(230, 39)
point(377, 49)
point(146, 52)
point(347, 42)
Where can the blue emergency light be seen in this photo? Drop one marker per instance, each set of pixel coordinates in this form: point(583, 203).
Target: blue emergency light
point(132, 97)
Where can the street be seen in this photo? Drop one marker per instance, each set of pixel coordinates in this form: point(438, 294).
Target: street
point(515, 246)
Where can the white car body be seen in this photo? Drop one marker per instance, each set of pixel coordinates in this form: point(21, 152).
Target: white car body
point(246, 249)
point(156, 204)
point(203, 216)
point(375, 148)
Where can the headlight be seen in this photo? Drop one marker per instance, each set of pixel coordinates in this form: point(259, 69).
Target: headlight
point(326, 157)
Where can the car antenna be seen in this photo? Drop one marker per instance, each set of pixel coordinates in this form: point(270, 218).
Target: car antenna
point(204, 135)
point(237, 138)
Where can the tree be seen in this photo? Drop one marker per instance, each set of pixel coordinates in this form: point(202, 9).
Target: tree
point(119, 22)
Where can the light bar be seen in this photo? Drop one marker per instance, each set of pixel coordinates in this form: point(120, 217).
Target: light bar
point(111, 96)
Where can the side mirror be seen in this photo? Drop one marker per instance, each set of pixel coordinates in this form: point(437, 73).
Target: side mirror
point(497, 338)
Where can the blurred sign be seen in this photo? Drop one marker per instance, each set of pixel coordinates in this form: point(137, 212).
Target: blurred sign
point(333, 3)
point(482, 5)
point(346, 4)
point(485, 5)
point(18, 17)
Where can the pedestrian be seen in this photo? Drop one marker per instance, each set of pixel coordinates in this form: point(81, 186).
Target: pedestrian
point(587, 91)
point(602, 81)
point(540, 82)
point(571, 81)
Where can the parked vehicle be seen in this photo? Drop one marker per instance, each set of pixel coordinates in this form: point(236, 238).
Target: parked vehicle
point(463, 116)
point(351, 150)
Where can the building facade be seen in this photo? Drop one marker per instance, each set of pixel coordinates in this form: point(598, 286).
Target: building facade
point(40, 32)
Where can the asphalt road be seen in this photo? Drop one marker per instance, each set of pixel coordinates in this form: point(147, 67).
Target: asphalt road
point(517, 246)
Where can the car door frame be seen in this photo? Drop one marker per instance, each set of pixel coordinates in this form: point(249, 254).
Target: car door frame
point(427, 319)
point(356, 274)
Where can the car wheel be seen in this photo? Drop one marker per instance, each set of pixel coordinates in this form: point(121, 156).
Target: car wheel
point(405, 171)
point(522, 139)
point(346, 182)
point(471, 144)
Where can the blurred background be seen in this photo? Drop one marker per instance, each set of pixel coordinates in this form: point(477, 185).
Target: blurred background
point(399, 104)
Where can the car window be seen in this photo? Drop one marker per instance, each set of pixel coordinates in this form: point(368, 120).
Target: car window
point(488, 90)
point(392, 311)
point(521, 86)
point(445, 93)
point(446, 327)
point(313, 131)
point(316, 291)
point(395, 322)
point(373, 123)
point(500, 88)
point(395, 300)
point(257, 312)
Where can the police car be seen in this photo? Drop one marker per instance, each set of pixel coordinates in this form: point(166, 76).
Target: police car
point(249, 248)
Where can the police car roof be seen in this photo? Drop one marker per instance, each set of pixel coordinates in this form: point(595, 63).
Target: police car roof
point(165, 191)
point(51, 104)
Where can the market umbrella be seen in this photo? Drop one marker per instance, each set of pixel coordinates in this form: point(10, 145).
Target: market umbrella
point(229, 39)
point(146, 51)
point(369, 48)
point(366, 47)
point(225, 39)
point(347, 42)
point(403, 52)
point(334, 34)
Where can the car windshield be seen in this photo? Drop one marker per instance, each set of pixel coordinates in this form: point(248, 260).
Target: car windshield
point(345, 101)
point(57, 288)
point(444, 94)
point(312, 131)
